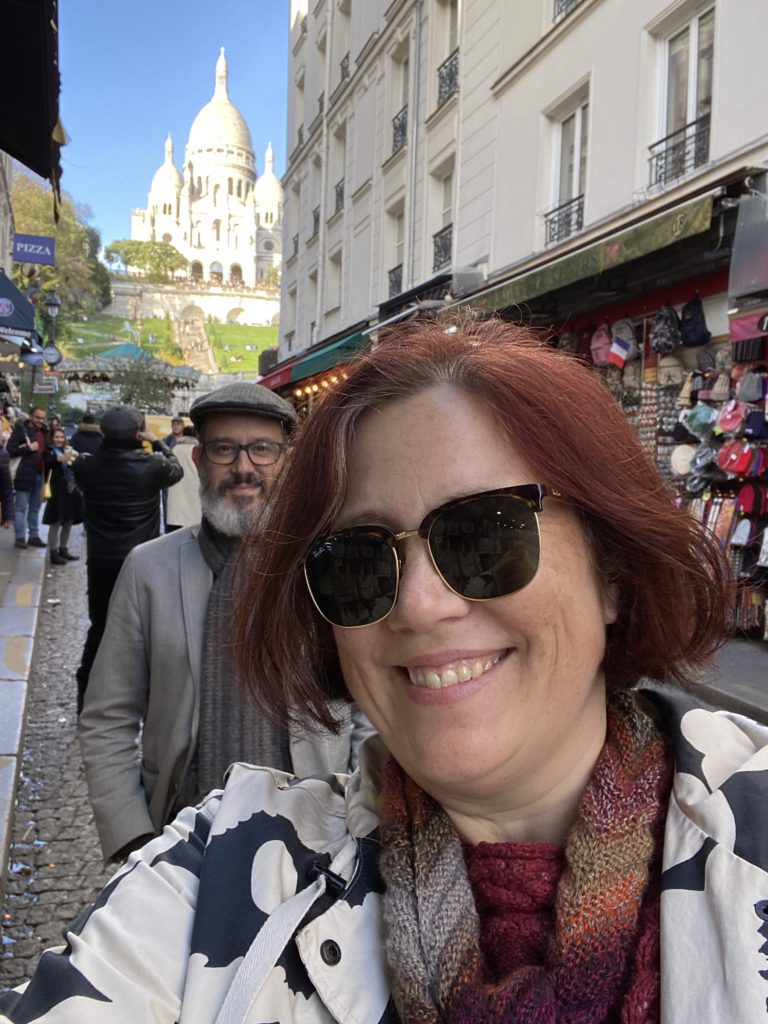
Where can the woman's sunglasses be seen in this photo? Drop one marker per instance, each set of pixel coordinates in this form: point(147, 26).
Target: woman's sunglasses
point(482, 546)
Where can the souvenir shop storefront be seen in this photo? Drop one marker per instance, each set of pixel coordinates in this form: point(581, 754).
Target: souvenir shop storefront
point(683, 346)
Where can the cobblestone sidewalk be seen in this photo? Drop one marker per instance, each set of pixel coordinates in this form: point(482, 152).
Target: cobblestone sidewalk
point(55, 863)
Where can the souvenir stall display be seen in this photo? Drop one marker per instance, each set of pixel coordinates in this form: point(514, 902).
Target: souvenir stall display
point(702, 417)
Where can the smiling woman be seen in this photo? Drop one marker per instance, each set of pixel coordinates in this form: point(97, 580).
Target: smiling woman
point(469, 541)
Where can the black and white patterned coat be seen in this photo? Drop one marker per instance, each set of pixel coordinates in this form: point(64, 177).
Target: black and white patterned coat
point(196, 928)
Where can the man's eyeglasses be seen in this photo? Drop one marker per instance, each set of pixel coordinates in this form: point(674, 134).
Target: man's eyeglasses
point(482, 546)
point(226, 453)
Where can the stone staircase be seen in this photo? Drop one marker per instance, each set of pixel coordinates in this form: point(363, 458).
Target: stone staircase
point(191, 338)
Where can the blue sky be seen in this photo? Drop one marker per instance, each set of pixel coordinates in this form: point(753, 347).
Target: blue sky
point(133, 72)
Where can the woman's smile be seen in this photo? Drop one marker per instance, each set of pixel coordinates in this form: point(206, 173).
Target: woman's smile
point(438, 673)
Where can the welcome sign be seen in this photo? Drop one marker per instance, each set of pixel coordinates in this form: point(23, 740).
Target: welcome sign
point(34, 249)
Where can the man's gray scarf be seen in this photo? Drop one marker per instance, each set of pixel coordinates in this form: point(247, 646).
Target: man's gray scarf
point(231, 728)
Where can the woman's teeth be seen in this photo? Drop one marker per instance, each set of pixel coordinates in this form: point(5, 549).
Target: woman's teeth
point(452, 673)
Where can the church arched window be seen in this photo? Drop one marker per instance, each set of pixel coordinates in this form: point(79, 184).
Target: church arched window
point(199, 186)
point(215, 194)
point(235, 274)
point(239, 189)
point(217, 274)
point(196, 271)
point(217, 230)
point(229, 186)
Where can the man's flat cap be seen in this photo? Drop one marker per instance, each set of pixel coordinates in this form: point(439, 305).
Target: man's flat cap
point(121, 421)
point(244, 397)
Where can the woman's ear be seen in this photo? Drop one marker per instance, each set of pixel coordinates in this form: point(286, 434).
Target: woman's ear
point(610, 602)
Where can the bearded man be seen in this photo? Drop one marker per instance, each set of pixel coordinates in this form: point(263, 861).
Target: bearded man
point(164, 714)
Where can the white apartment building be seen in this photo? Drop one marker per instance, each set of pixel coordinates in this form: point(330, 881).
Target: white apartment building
point(558, 160)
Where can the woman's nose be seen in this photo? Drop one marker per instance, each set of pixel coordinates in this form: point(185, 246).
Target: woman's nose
point(423, 598)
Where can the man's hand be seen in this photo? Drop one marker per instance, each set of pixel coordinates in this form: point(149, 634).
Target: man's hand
point(33, 446)
point(147, 435)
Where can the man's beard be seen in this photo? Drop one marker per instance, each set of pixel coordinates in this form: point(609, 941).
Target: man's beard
point(228, 513)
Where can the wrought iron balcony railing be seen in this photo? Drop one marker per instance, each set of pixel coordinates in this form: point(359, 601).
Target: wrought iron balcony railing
point(295, 248)
point(399, 130)
point(565, 220)
point(344, 66)
point(442, 241)
point(395, 280)
point(448, 78)
point(680, 152)
point(339, 196)
point(315, 221)
point(564, 7)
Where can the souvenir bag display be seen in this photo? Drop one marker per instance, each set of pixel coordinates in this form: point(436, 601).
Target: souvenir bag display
point(752, 387)
point(624, 347)
point(665, 331)
point(669, 373)
point(693, 325)
point(721, 391)
point(700, 419)
point(731, 417)
point(756, 426)
point(706, 359)
point(748, 350)
point(684, 398)
point(600, 345)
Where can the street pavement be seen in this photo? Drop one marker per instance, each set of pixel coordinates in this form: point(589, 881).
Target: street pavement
point(55, 866)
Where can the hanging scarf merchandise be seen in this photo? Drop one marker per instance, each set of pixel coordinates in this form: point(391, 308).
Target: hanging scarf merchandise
point(601, 963)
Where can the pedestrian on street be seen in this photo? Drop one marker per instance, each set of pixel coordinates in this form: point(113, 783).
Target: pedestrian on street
point(177, 432)
point(64, 508)
point(121, 485)
point(28, 441)
point(165, 674)
point(183, 507)
point(87, 438)
point(7, 508)
point(471, 542)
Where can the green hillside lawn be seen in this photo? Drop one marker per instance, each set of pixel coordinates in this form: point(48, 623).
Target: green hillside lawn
point(229, 342)
point(97, 334)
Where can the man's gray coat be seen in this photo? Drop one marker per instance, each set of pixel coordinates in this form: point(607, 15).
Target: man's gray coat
point(147, 671)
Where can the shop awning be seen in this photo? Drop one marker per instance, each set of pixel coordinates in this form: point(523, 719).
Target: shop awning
point(324, 359)
point(29, 71)
point(278, 378)
point(17, 314)
point(665, 229)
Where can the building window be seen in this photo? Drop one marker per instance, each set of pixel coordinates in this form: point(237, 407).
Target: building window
point(333, 283)
point(448, 78)
point(315, 221)
point(688, 88)
point(448, 71)
point(567, 217)
point(339, 196)
point(217, 231)
point(395, 274)
point(442, 240)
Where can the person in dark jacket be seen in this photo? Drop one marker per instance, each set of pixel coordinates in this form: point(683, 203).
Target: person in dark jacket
point(7, 509)
point(65, 505)
point(121, 485)
point(87, 438)
point(29, 440)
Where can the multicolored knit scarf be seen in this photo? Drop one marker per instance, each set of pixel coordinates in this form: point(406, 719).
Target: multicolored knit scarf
point(432, 922)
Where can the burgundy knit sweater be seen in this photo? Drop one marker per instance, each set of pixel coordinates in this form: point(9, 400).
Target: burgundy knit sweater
point(514, 886)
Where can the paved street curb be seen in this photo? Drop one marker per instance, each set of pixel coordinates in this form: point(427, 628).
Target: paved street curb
point(19, 611)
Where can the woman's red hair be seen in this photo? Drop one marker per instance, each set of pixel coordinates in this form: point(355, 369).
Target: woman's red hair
point(669, 574)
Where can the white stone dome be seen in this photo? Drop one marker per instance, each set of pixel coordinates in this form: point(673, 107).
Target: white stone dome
point(219, 124)
point(268, 187)
point(167, 180)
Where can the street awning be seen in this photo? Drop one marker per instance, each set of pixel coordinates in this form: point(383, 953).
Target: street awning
point(17, 314)
point(29, 71)
point(278, 378)
point(656, 233)
point(324, 359)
